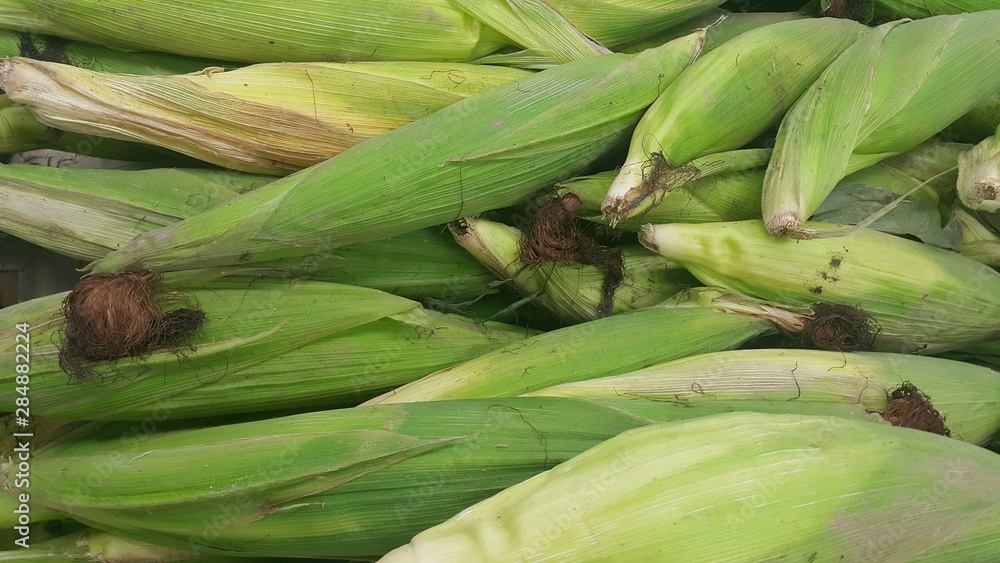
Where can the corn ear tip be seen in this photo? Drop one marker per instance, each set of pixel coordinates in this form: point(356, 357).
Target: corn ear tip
point(647, 237)
point(784, 224)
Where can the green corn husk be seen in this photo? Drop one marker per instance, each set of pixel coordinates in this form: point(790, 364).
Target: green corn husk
point(978, 241)
point(892, 90)
point(85, 214)
point(572, 292)
point(726, 99)
point(722, 26)
point(267, 345)
point(352, 483)
point(486, 152)
point(925, 299)
point(981, 122)
point(979, 175)
point(258, 31)
point(267, 119)
point(600, 348)
point(885, 10)
point(967, 396)
point(727, 189)
point(734, 483)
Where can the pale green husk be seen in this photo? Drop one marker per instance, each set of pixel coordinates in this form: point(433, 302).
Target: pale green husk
point(925, 299)
point(740, 487)
point(268, 119)
point(900, 84)
point(966, 395)
point(352, 483)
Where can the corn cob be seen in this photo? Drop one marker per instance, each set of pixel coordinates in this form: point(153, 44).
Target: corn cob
point(268, 119)
point(599, 348)
point(352, 483)
point(258, 31)
point(965, 395)
point(978, 241)
point(267, 345)
point(979, 175)
point(728, 490)
point(572, 292)
point(85, 214)
point(485, 152)
point(727, 189)
point(951, 302)
point(882, 97)
point(732, 94)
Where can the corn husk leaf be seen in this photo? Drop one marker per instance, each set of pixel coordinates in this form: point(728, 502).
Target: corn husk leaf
point(967, 396)
point(268, 119)
point(266, 345)
point(20, 131)
point(97, 57)
point(726, 187)
point(268, 31)
point(722, 26)
point(850, 204)
point(925, 299)
point(916, 9)
point(893, 89)
point(978, 241)
point(981, 122)
point(616, 23)
point(536, 25)
point(16, 16)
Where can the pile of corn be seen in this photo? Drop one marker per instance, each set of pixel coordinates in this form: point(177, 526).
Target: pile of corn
point(528, 280)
